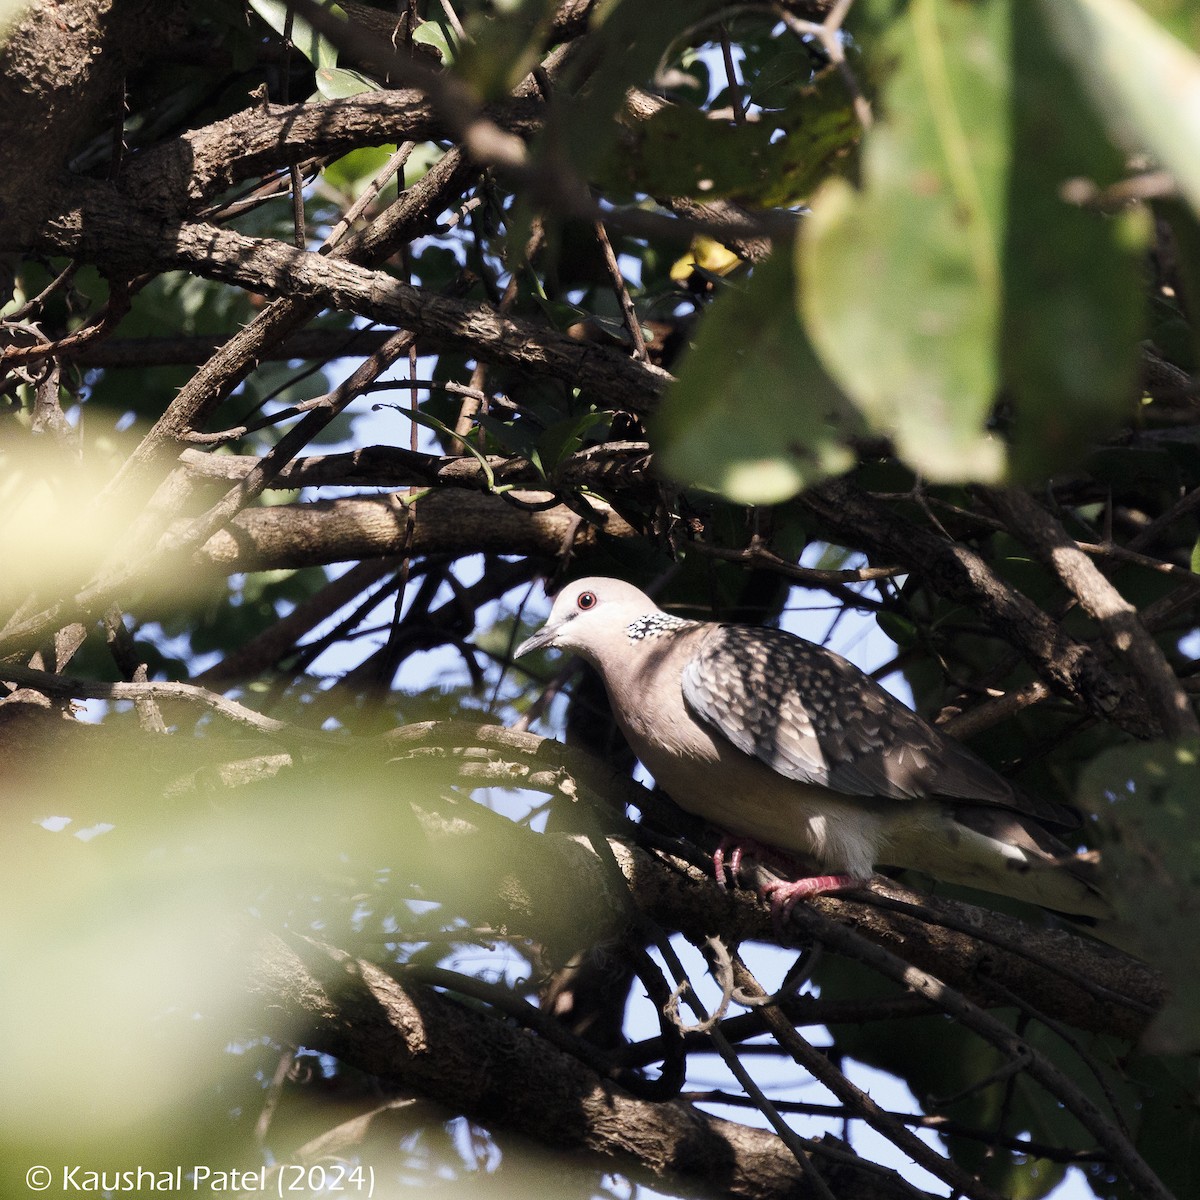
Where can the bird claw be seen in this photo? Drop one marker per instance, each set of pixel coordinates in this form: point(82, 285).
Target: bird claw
point(784, 894)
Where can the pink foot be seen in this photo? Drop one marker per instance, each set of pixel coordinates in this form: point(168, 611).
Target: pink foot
point(785, 894)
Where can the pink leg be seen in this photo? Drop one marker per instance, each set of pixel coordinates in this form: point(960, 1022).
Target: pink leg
point(741, 848)
point(734, 866)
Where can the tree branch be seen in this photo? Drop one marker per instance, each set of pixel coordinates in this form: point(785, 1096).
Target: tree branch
point(99, 225)
point(175, 177)
point(1118, 619)
point(328, 531)
point(1071, 668)
point(416, 1038)
point(622, 464)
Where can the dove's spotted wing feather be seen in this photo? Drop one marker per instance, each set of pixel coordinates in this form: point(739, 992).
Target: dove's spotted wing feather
point(816, 718)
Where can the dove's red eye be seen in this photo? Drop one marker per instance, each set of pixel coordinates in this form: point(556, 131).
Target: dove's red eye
point(586, 600)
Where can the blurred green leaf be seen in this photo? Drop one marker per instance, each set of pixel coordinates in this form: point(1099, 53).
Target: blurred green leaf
point(1145, 82)
point(502, 47)
point(753, 415)
point(901, 282)
point(629, 41)
point(319, 50)
point(1074, 307)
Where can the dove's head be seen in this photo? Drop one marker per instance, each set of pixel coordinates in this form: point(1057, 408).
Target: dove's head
point(593, 618)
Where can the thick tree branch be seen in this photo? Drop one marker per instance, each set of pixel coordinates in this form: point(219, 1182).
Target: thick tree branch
point(1065, 975)
point(458, 523)
point(415, 1037)
point(175, 177)
point(621, 464)
point(100, 226)
point(62, 69)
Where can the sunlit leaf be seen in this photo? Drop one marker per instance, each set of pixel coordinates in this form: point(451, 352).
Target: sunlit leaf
point(336, 83)
point(901, 280)
point(753, 415)
point(440, 36)
point(1145, 82)
point(318, 49)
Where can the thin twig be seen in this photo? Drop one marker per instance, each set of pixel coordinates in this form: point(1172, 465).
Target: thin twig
point(87, 689)
point(939, 1124)
point(628, 313)
point(829, 33)
point(859, 1102)
point(1123, 1153)
point(378, 182)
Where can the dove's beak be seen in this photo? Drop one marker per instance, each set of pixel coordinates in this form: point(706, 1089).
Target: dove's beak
point(540, 640)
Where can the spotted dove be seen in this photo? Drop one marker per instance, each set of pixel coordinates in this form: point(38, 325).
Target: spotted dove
point(782, 741)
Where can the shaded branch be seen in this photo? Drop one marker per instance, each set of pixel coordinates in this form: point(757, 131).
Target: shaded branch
point(1118, 619)
point(99, 225)
point(623, 464)
point(416, 1038)
point(175, 177)
point(1121, 1150)
point(1070, 668)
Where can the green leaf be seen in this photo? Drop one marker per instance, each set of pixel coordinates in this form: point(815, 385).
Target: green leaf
point(1074, 309)
point(336, 83)
point(753, 415)
point(502, 47)
point(901, 280)
point(565, 437)
point(680, 151)
point(440, 36)
point(1144, 81)
point(1145, 801)
point(351, 172)
point(319, 50)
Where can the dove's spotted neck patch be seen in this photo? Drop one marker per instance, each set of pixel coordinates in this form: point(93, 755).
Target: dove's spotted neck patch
point(654, 625)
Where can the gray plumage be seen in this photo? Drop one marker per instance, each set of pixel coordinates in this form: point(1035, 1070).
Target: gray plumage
point(777, 739)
